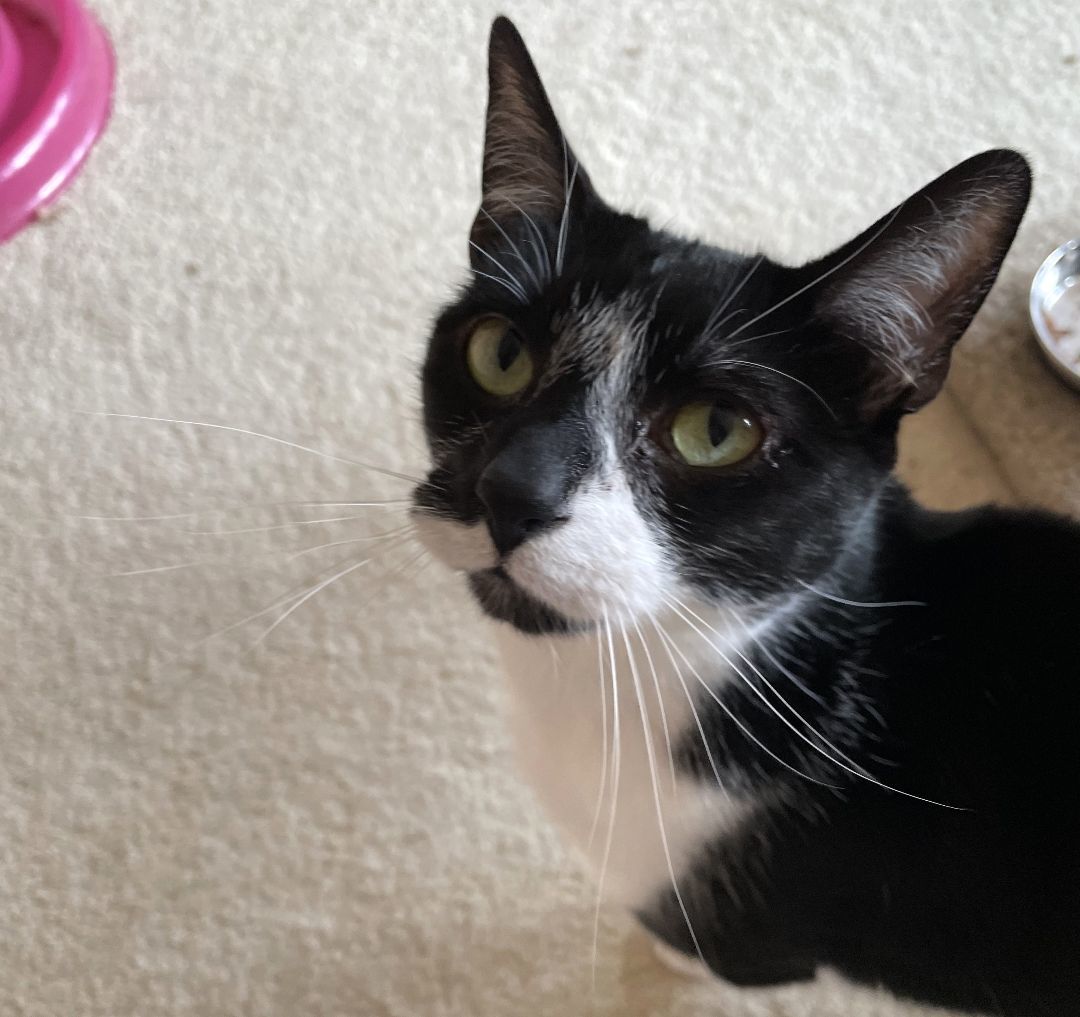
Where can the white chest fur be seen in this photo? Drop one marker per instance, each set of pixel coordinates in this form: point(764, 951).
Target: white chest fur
point(592, 723)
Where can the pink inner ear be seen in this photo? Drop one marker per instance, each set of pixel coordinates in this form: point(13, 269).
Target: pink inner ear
point(907, 288)
point(912, 294)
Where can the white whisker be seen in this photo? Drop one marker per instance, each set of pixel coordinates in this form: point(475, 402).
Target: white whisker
point(291, 594)
point(421, 560)
point(655, 781)
point(690, 613)
point(564, 223)
point(793, 678)
point(390, 538)
point(821, 278)
point(510, 277)
point(784, 374)
point(616, 764)
point(546, 263)
point(728, 347)
point(277, 526)
point(221, 559)
point(307, 596)
point(715, 321)
point(516, 250)
point(518, 295)
point(665, 640)
point(604, 736)
point(772, 688)
point(660, 703)
point(139, 519)
point(165, 568)
point(348, 504)
point(862, 603)
point(754, 338)
point(799, 734)
point(254, 434)
point(735, 720)
point(236, 507)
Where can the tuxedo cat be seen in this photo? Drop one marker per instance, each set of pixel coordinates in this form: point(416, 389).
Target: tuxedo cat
point(791, 718)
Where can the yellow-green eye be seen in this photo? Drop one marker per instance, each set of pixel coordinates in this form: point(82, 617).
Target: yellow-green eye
point(497, 358)
point(708, 434)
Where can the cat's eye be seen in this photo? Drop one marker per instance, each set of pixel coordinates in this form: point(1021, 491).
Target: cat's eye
point(713, 435)
point(497, 358)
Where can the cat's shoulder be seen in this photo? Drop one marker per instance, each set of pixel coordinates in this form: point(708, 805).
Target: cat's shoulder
point(1015, 568)
point(1002, 540)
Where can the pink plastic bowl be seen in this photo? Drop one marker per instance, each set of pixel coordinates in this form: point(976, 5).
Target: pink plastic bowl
point(56, 83)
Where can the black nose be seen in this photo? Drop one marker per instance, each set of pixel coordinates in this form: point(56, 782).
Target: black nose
point(525, 487)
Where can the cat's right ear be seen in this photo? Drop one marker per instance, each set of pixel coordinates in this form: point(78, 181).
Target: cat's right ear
point(906, 289)
point(529, 171)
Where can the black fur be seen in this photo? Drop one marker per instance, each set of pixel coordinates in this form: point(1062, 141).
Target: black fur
point(935, 850)
point(969, 699)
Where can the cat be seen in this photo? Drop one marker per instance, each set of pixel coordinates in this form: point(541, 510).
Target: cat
point(792, 719)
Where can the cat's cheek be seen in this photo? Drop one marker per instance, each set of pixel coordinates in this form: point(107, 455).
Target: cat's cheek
point(461, 546)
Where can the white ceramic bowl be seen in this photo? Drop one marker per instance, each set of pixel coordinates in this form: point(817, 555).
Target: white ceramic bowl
point(1055, 310)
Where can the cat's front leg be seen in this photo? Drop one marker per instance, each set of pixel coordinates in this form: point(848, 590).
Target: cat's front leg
point(743, 955)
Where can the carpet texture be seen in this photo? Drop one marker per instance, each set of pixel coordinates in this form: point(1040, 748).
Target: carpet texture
point(321, 820)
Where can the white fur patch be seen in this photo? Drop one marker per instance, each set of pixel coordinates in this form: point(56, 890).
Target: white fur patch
point(465, 548)
point(571, 693)
point(599, 336)
point(574, 696)
point(603, 560)
point(562, 698)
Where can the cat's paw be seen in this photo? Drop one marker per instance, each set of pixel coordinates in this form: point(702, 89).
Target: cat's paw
point(680, 963)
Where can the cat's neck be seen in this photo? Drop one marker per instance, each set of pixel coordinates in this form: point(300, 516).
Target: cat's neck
point(854, 573)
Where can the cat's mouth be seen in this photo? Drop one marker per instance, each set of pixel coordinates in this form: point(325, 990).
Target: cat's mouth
point(601, 561)
point(502, 598)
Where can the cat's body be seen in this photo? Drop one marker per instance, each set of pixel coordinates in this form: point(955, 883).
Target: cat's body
point(779, 876)
point(564, 727)
point(791, 719)
point(969, 701)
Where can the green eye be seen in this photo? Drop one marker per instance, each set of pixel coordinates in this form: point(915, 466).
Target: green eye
point(497, 358)
point(708, 434)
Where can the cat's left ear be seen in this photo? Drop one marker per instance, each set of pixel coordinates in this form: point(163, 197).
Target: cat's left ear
point(529, 168)
point(907, 288)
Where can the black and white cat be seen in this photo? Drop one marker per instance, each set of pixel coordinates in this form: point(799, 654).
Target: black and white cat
point(791, 718)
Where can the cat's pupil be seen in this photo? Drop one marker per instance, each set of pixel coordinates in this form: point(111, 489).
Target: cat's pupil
point(509, 348)
point(719, 425)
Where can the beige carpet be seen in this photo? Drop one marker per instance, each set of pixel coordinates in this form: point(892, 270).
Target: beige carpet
point(326, 824)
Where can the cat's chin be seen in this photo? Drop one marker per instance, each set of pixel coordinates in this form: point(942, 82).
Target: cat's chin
point(503, 599)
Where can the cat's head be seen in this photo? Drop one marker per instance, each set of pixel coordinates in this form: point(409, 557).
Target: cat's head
point(620, 418)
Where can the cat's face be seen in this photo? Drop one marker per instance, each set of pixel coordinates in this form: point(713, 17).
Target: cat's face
point(620, 419)
point(653, 450)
